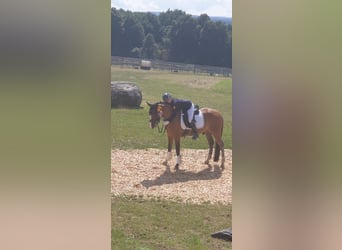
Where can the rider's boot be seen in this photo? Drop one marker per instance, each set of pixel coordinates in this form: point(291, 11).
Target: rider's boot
point(194, 130)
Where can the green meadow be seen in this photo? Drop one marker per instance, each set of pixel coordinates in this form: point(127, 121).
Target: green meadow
point(130, 127)
point(157, 224)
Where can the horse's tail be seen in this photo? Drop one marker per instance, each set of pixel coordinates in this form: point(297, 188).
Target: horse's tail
point(217, 147)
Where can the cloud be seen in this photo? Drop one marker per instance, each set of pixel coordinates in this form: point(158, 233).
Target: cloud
point(220, 10)
point(136, 5)
point(195, 7)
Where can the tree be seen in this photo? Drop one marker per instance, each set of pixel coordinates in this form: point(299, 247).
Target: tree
point(170, 17)
point(173, 36)
point(214, 44)
point(203, 19)
point(184, 38)
point(133, 33)
point(136, 52)
point(116, 33)
point(150, 23)
point(149, 49)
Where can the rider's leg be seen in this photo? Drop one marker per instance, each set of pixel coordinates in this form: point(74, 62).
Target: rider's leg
point(193, 122)
point(194, 130)
point(186, 119)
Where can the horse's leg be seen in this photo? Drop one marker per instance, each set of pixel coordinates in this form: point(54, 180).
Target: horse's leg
point(221, 144)
point(169, 148)
point(211, 144)
point(177, 143)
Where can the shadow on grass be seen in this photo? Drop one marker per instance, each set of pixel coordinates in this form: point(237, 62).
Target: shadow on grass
point(169, 177)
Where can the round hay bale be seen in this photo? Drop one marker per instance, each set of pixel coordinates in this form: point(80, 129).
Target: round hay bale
point(125, 94)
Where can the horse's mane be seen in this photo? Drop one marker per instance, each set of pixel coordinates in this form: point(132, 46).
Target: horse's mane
point(153, 107)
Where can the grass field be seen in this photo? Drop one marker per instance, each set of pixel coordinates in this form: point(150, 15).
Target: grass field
point(130, 127)
point(159, 224)
point(141, 224)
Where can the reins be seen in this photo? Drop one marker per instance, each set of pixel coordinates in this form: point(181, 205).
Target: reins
point(162, 129)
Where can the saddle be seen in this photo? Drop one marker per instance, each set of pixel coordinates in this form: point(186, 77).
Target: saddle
point(198, 116)
point(196, 112)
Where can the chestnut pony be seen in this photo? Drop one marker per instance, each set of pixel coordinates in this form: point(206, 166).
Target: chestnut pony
point(213, 127)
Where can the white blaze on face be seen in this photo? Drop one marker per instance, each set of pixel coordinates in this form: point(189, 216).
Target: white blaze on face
point(150, 121)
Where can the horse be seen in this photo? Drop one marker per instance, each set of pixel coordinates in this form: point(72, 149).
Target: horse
point(212, 128)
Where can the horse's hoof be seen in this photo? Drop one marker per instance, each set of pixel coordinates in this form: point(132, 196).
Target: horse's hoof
point(206, 162)
point(177, 167)
point(164, 163)
point(222, 166)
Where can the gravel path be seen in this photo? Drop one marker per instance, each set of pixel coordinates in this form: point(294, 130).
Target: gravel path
point(141, 173)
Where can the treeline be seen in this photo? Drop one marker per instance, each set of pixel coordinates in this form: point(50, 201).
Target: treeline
point(171, 36)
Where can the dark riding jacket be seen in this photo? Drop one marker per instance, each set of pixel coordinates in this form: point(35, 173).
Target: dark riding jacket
point(179, 105)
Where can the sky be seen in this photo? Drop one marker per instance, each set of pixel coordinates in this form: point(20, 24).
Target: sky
point(195, 7)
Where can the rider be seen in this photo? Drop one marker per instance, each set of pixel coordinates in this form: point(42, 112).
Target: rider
point(186, 107)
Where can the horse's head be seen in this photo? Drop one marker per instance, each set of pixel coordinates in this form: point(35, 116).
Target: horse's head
point(158, 110)
point(154, 113)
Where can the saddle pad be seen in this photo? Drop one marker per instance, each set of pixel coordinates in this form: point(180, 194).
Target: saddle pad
point(198, 118)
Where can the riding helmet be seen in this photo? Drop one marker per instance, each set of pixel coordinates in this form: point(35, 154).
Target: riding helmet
point(166, 96)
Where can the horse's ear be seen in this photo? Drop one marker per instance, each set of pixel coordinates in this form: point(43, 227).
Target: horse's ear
point(149, 104)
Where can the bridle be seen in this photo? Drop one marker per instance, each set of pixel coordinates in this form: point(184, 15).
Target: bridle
point(158, 111)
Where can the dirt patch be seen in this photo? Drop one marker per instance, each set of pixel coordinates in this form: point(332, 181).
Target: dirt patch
point(141, 173)
point(201, 82)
